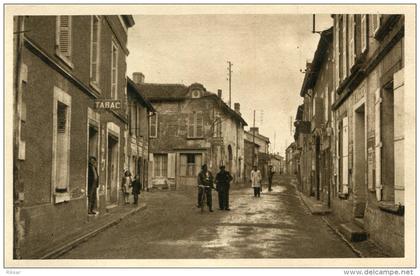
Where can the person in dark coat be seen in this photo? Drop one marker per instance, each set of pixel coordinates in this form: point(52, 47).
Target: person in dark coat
point(136, 188)
point(205, 178)
point(223, 179)
point(93, 180)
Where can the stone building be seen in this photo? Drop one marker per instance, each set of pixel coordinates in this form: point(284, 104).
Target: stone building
point(317, 87)
point(64, 65)
point(368, 112)
point(192, 127)
point(139, 110)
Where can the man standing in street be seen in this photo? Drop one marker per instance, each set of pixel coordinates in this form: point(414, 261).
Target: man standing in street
point(270, 177)
point(223, 179)
point(205, 178)
point(93, 180)
point(256, 181)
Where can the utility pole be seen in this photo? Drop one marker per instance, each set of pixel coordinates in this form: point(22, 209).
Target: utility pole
point(253, 140)
point(230, 82)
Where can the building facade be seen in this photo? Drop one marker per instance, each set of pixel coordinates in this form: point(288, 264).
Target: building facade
point(137, 156)
point(368, 113)
point(192, 127)
point(66, 64)
point(348, 150)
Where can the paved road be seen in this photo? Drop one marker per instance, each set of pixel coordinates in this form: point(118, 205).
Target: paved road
point(277, 225)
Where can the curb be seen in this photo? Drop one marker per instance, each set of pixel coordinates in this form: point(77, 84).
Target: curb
point(70, 245)
point(348, 243)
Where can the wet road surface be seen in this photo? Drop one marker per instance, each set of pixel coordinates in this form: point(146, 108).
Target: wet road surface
point(277, 225)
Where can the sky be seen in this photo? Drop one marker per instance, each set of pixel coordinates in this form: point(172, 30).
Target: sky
point(267, 52)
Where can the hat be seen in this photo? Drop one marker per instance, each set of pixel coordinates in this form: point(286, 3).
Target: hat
point(222, 167)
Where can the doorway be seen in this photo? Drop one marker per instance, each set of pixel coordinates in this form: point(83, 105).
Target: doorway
point(360, 184)
point(112, 171)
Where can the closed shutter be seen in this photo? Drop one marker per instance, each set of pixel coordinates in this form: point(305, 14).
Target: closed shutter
point(183, 165)
point(198, 163)
point(337, 156)
point(199, 124)
point(363, 33)
point(399, 136)
point(378, 144)
point(171, 165)
point(344, 47)
point(64, 35)
point(345, 179)
point(191, 124)
point(152, 164)
point(337, 52)
point(95, 50)
point(351, 41)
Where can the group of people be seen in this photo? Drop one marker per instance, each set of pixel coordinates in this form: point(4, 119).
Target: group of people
point(223, 178)
point(129, 185)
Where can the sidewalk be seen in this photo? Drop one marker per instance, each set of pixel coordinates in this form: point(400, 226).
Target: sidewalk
point(93, 226)
point(364, 249)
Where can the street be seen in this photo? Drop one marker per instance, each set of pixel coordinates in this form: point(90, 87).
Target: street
point(277, 225)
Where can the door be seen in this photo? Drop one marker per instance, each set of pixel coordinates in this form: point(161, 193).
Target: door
point(112, 171)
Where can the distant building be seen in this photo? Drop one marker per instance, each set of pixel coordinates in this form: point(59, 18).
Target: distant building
point(192, 127)
point(263, 157)
point(65, 64)
point(277, 162)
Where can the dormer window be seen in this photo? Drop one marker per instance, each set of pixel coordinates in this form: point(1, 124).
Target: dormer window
point(196, 94)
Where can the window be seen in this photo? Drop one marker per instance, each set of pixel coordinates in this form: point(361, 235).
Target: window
point(352, 47)
point(153, 125)
point(61, 143)
point(138, 124)
point(363, 33)
point(326, 104)
point(344, 48)
point(217, 128)
point(337, 52)
point(114, 71)
point(195, 125)
point(190, 164)
point(64, 38)
point(133, 118)
point(94, 50)
point(160, 165)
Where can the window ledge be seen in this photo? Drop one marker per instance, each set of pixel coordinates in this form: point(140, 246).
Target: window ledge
point(61, 197)
point(65, 59)
point(195, 138)
point(391, 207)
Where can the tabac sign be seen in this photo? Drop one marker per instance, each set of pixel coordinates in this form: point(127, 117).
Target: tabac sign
point(107, 104)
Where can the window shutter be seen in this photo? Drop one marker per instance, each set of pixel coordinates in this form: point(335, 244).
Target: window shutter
point(64, 35)
point(95, 50)
point(399, 136)
point(378, 144)
point(363, 33)
point(171, 165)
point(337, 52)
point(199, 124)
point(61, 117)
point(345, 179)
point(191, 125)
point(183, 165)
point(344, 46)
point(152, 163)
point(337, 157)
point(351, 41)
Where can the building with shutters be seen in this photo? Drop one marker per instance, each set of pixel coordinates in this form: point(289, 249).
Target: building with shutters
point(139, 111)
point(191, 127)
point(262, 158)
point(63, 65)
point(367, 110)
point(315, 124)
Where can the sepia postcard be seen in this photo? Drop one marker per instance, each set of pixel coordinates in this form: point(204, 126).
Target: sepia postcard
point(212, 135)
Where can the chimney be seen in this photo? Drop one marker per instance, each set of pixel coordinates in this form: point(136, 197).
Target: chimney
point(138, 77)
point(219, 93)
point(252, 129)
point(237, 107)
